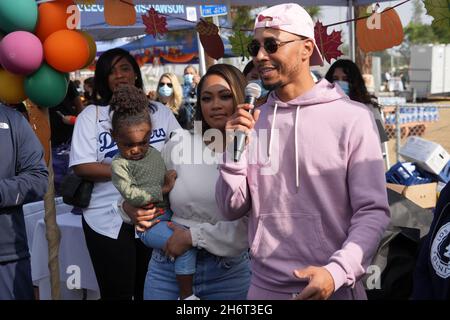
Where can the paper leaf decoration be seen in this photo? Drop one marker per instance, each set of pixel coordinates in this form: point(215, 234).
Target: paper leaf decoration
point(155, 24)
point(206, 28)
point(120, 13)
point(210, 39)
point(380, 31)
point(440, 11)
point(239, 43)
point(327, 44)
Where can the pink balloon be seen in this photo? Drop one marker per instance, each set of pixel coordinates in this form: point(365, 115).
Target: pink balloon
point(21, 52)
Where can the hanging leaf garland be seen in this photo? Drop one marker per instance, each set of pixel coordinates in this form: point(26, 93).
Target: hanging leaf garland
point(210, 39)
point(155, 23)
point(327, 44)
point(440, 11)
point(385, 34)
point(239, 43)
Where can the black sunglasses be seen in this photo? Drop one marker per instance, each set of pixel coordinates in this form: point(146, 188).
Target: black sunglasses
point(161, 84)
point(271, 45)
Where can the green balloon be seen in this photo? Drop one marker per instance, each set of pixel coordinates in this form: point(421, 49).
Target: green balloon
point(18, 15)
point(46, 87)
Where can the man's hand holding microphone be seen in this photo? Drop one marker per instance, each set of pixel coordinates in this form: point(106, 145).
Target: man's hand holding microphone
point(243, 120)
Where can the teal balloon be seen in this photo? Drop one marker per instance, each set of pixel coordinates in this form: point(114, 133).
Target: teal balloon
point(46, 87)
point(18, 15)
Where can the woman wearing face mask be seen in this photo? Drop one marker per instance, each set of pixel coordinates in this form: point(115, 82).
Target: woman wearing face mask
point(191, 79)
point(169, 92)
point(347, 75)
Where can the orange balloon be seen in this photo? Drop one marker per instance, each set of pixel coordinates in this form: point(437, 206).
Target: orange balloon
point(51, 18)
point(92, 47)
point(66, 50)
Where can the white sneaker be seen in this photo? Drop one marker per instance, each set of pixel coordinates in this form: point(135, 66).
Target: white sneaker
point(192, 297)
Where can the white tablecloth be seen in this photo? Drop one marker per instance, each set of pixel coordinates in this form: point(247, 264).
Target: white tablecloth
point(72, 252)
point(34, 211)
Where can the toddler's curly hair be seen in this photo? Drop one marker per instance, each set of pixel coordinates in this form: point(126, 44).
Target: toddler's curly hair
point(130, 106)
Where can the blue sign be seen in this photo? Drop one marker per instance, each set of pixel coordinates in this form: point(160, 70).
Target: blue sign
point(213, 10)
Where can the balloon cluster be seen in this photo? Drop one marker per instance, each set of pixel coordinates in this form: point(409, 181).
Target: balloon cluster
point(38, 49)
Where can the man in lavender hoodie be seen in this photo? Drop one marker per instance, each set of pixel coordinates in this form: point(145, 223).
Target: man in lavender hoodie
point(316, 193)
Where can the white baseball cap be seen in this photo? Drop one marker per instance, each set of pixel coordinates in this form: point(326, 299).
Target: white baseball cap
point(292, 18)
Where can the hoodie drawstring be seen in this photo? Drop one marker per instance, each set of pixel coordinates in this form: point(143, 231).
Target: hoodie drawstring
point(297, 176)
point(271, 129)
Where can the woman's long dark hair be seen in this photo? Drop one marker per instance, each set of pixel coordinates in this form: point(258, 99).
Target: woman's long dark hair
point(235, 79)
point(103, 70)
point(358, 90)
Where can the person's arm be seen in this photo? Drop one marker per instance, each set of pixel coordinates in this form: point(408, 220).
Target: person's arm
point(31, 182)
point(225, 238)
point(232, 192)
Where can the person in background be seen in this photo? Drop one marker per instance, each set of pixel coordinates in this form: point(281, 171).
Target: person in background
point(89, 96)
point(119, 259)
point(23, 178)
point(432, 274)
point(191, 80)
point(252, 75)
point(311, 178)
point(169, 93)
point(347, 75)
point(250, 72)
point(77, 84)
point(62, 120)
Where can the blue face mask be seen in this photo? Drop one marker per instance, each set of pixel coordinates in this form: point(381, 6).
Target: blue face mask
point(345, 86)
point(165, 91)
point(188, 78)
point(264, 92)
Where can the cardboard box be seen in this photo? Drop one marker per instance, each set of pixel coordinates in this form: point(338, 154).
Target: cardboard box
point(428, 155)
point(424, 195)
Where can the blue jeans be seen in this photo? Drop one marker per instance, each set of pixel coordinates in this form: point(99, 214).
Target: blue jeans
point(157, 236)
point(216, 278)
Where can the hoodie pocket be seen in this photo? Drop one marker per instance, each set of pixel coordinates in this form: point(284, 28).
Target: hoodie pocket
point(291, 237)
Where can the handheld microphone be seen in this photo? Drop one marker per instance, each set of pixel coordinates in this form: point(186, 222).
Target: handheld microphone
point(252, 92)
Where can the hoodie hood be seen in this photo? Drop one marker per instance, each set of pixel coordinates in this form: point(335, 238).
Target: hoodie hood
point(322, 92)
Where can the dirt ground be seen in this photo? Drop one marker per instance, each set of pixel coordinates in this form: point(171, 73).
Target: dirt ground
point(438, 132)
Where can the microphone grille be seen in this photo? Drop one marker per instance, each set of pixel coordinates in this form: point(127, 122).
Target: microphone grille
point(253, 90)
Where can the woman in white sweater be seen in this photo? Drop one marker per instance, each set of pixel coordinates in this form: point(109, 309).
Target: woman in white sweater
point(222, 268)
